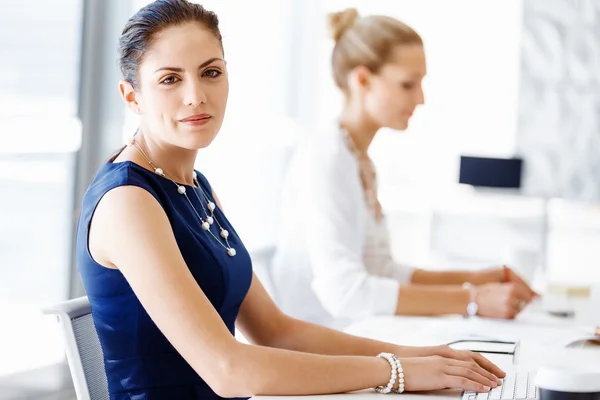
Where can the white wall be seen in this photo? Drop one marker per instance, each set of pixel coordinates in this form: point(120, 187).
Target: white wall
point(559, 125)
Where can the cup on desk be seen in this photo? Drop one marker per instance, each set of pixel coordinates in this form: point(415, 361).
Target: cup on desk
point(568, 384)
point(557, 302)
point(579, 301)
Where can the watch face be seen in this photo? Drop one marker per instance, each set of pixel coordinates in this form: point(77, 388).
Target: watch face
point(472, 308)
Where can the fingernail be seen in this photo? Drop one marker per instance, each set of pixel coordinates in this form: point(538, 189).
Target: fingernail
point(499, 382)
point(493, 383)
point(487, 388)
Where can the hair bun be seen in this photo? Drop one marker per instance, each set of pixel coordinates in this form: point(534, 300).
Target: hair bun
point(339, 22)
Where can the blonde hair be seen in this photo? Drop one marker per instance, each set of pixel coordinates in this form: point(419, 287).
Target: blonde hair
point(367, 41)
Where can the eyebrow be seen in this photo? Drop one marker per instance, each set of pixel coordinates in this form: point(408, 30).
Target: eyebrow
point(415, 76)
point(177, 69)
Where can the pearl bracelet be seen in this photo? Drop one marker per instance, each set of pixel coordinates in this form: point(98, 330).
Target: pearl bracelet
point(396, 373)
point(400, 375)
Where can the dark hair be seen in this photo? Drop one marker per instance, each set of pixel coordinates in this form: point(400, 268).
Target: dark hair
point(142, 27)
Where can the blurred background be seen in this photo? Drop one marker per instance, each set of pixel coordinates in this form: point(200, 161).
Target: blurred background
point(514, 83)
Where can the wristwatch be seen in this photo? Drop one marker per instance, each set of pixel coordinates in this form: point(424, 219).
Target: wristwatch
point(472, 307)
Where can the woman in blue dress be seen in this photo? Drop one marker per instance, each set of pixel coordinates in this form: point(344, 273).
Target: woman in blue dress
point(169, 279)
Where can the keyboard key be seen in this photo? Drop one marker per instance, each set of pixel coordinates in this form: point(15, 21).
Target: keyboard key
point(531, 389)
point(483, 396)
point(508, 391)
point(470, 395)
point(496, 393)
point(521, 387)
point(516, 386)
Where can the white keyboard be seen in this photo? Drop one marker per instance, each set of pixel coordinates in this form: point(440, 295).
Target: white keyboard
point(515, 386)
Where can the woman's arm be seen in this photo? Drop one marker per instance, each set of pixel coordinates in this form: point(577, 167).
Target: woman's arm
point(131, 232)
point(264, 324)
point(496, 300)
point(480, 277)
point(432, 300)
point(426, 277)
point(334, 232)
point(500, 293)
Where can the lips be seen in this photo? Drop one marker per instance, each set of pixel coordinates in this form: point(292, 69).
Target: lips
point(196, 118)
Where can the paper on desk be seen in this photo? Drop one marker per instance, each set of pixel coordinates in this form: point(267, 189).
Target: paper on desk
point(533, 325)
point(423, 331)
point(506, 330)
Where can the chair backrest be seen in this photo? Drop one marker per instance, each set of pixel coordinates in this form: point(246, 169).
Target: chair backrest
point(84, 353)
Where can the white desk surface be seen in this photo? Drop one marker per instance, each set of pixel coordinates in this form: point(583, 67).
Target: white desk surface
point(543, 340)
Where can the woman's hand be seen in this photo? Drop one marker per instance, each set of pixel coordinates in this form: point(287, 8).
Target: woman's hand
point(438, 372)
point(441, 367)
point(512, 277)
point(503, 275)
point(449, 352)
point(501, 300)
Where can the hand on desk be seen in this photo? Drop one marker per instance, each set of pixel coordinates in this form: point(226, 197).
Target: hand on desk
point(504, 294)
point(511, 276)
point(437, 372)
point(503, 274)
point(440, 367)
point(501, 300)
point(498, 293)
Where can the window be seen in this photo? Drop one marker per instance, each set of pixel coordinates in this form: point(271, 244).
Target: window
point(39, 133)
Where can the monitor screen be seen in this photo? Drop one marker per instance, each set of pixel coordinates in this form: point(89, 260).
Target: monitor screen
point(491, 172)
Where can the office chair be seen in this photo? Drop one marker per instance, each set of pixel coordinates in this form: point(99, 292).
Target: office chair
point(84, 353)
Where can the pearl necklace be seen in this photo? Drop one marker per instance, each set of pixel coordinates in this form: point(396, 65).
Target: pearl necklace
point(206, 222)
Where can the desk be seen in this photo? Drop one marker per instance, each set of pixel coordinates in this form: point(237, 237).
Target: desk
point(538, 334)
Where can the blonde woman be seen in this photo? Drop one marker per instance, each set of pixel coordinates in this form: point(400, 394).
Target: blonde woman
point(333, 263)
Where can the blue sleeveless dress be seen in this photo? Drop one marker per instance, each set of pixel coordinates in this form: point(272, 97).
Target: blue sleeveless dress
point(140, 362)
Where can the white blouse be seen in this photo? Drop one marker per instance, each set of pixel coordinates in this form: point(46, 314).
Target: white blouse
point(333, 262)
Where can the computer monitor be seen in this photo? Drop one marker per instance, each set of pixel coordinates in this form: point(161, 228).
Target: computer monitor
point(491, 172)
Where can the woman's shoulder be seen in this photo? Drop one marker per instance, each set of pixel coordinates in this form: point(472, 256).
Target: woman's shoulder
point(326, 143)
point(324, 157)
point(125, 173)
